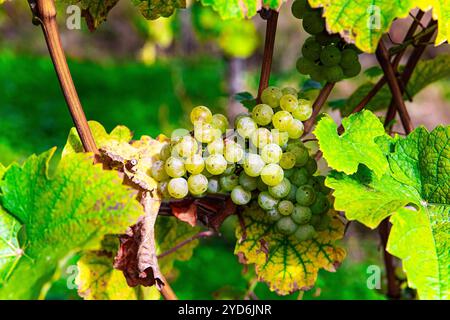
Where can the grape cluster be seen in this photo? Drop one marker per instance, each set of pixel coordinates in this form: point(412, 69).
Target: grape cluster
point(262, 160)
point(325, 56)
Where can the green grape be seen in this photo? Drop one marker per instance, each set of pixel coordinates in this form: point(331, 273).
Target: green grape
point(247, 182)
point(266, 201)
point(219, 121)
point(352, 71)
point(213, 185)
point(205, 133)
point(201, 114)
point(348, 58)
point(261, 137)
point(330, 56)
point(197, 184)
point(285, 207)
point(280, 190)
point(301, 156)
point(253, 164)
point(175, 167)
point(315, 220)
point(323, 188)
point(301, 215)
point(262, 114)
point(287, 172)
point(231, 168)
point(282, 120)
point(294, 144)
point(216, 146)
point(163, 189)
point(300, 177)
point(304, 233)
point(245, 126)
point(272, 174)
point(195, 164)
point(334, 74)
point(287, 161)
point(233, 152)
point(228, 183)
point(165, 152)
point(273, 215)
point(305, 195)
point(305, 66)
point(260, 185)
point(271, 153)
point(320, 205)
point(324, 38)
point(311, 49)
point(289, 90)
point(286, 226)
point(317, 74)
point(158, 172)
point(271, 96)
point(311, 166)
point(313, 23)
point(288, 102)
point(178, 188)
point(239, 116)
point(304, 110)
point(292, 194)
point(186, 146)
point(216, 164)
point(295, 131)
point(240, 196)
point(299, 8)
point(324, 223)
point(281, 138)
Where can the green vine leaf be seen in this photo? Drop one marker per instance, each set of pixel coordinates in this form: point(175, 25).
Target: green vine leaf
point(70, 210)
point(426, 73)
point(98, 280)
point(365, 21)
point(153, 9)
point(356, 145)
point(286, 264)
point(229, 9)
point(415, 192)
point(10, 251)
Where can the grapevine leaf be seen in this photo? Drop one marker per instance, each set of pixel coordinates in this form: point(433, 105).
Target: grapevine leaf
point(98, 280)
point(286, 264)
point(356, 145)
point(69, 211)
point(10, 250)
point(94, 11)
point(418, 177)
point(365, 21)
point(153, 9)
point(229, 9)
point(422, 240)
point(169, 233)
point(2, 171)
point(426, 72)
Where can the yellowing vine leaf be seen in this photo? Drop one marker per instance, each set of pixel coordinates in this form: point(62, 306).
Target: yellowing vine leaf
point(98, 280)
point(284, 263)
point(153, 9)
point(229, 9)
point(415, 192)
point(68, 211)
point(365, 21)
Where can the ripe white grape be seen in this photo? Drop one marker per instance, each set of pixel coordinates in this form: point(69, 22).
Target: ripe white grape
point(247, 182)
point(216, 146)
point(288, 102)
point(233, 152)
point(158, 171)
point(205, 133)
point(304, 110)
point(216, 164)
point(178, 188)
point(271, 153)
point(228, 183)
point(195, 164)
point(287, 160)
point(280, 190)
point(253, 164)
point(262, 114)
point(219, 121)
point(285, 207)
point(296, 129)
point(175, 167)
point(245, 126)
point(266, 201)
point(271, 96)
point(197, 184)
point(261, 137)
point(240, 196)
point(186, 146)
point(272, 174)
point(200, 114)
point(282, 120)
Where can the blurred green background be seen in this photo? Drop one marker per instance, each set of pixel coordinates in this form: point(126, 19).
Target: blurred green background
point(147, 76)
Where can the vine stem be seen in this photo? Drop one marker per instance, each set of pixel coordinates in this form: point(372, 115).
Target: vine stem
point(167, 291)
point(383, 58)
point(202, 234)
point(317, 106)
point(271, 29)
point(393, 290)
point(44, 13)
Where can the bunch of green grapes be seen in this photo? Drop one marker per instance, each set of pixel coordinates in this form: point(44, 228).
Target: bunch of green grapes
point(262, 160)
point(326, 57)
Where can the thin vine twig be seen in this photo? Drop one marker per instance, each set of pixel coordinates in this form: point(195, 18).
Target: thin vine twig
point(383, 58)
point(317, 106)
point(272, 20)
point(44, 13)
